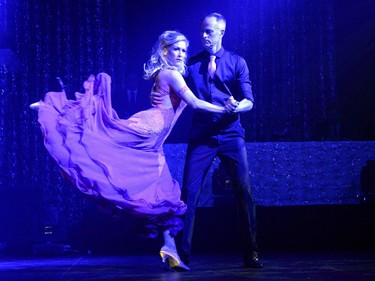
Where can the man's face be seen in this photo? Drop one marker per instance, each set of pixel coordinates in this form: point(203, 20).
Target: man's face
point(211, 33)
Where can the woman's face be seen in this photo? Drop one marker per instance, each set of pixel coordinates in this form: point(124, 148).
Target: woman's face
point(176, 53)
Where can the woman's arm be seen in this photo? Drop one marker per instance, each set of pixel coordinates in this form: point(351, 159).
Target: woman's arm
point(178, 84)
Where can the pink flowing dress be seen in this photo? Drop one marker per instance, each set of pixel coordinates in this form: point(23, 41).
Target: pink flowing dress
point(121, 161)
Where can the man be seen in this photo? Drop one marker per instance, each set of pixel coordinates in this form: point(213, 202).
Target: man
point(219, 135)
point(222, 80)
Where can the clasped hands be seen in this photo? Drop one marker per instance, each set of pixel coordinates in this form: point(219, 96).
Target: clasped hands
point(231, 105)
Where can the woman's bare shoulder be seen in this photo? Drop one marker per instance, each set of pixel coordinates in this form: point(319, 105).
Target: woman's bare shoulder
point(170, 77)
point(168, 72)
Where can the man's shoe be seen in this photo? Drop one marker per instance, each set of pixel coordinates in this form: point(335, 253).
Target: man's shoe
point(252, 261)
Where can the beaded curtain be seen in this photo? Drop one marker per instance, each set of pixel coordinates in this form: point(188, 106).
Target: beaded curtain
point(288, 46)
point(43, 40)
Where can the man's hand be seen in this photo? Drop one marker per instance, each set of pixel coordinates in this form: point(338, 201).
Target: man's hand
point(231, 105)
point(155, 98)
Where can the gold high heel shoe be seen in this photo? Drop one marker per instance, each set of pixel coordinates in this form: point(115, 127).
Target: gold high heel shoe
point(174, 261)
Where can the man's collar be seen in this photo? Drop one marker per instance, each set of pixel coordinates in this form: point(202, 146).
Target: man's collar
point(218, 54)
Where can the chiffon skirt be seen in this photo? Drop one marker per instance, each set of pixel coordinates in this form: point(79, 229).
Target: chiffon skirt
point(116, 160)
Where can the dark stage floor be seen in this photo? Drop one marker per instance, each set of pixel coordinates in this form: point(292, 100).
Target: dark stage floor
point(338, 266)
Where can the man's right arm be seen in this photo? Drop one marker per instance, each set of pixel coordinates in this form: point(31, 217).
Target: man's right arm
point(155, 97)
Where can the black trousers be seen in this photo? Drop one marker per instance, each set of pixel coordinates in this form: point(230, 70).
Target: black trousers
point(231, 151)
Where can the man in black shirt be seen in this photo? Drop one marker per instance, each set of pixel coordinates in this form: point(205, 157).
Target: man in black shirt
point(217, 75)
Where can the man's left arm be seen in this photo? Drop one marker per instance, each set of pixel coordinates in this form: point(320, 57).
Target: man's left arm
point(244, 81)
point(244, 105)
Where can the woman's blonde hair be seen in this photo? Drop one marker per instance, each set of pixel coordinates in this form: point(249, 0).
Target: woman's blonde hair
point(157, 60)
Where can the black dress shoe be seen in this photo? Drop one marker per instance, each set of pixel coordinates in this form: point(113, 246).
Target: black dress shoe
point(252, 261)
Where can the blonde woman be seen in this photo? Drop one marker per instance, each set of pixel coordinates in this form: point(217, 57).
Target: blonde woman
point(122, 160)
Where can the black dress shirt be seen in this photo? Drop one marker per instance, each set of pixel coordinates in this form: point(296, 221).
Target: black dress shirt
point(231, 79)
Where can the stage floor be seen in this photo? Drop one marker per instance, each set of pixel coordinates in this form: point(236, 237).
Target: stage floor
point(343, 266)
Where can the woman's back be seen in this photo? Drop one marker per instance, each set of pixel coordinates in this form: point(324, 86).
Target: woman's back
point(157, 122)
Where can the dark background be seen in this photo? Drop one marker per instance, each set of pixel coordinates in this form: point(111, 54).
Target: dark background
point(311, 64)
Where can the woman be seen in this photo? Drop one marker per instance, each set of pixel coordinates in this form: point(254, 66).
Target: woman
point(122, 161)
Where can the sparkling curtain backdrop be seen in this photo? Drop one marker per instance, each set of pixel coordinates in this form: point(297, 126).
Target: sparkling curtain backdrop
point(290, 47)
point(42, 40)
